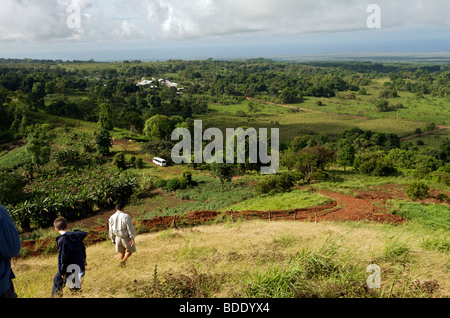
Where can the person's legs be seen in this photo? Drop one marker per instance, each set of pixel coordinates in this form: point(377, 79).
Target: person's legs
point(10, 293)
point(58, 285)
point(77, 289)
point(125, 250)
point(127, 256)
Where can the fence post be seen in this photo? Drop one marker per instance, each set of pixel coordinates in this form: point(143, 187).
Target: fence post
point(175, 221)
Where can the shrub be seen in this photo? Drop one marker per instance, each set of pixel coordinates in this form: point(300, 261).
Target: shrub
point(442, 197)
point(173, 184)
point(374, 164)
point(418, 190)
point(11, 188)
point(139, 163)
point(275, 184)
point(120, 162)
point(68, 158)
point(187, 175)
point(161, 183)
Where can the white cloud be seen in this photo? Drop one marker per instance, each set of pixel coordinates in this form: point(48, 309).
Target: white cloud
point(129, 30)
point(45, 20)
point(197, 18)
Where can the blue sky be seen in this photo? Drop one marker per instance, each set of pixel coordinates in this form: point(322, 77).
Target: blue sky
point(160, 29)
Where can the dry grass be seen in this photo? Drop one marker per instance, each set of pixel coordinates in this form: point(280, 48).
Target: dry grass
point(219, 260)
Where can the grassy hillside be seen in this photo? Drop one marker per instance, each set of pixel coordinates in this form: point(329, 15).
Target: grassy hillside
point(260, 259)
point(317, 255)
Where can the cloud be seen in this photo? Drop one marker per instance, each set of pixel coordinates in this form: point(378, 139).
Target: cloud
point(46, 20)
point(39, 21)
point(198, 18)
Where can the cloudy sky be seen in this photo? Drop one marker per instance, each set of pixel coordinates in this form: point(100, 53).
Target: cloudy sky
point(159, 29)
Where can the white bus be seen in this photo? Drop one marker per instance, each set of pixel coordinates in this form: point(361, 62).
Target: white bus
point(160, 162)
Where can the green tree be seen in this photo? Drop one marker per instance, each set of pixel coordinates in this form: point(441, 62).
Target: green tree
point(105, 117)
point(307, 164)
point(382, 105)
point(223, 171)
point(103, 142)
point(38, 147)
point(346, 155)
point(158, 127)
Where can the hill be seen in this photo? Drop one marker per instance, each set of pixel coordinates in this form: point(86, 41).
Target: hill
point(364, 176)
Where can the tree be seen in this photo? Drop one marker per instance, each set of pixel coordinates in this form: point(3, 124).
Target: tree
point(346, 155)
point(158, 127)
point(290, 96)
point(374, 163)
point(382, 105)
point(223, 171)
point(38, 147)
point(307, 164)
point(105, 117)
point(103, 142)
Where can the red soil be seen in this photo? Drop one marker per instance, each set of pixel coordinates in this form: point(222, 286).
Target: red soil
point(366, 206)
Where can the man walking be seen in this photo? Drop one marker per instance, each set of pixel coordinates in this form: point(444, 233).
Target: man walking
point(122, 233)
point(10, 246)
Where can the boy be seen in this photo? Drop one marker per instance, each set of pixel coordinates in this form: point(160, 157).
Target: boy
point(71, 257)
point(122, 233)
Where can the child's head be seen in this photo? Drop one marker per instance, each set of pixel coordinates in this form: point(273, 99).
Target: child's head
point(60, 224)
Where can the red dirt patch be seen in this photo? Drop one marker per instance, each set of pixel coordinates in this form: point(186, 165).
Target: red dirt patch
point(342, 208)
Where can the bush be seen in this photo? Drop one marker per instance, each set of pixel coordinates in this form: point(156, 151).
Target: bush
point(139, 163)
point(173, 184)
point(442, 197)
point(275, 184)
point(68, 158)
point(187, 175)
point(120, 162)
point(11, 188)
point(374, 164)
point(161, 183)
point(418, 190)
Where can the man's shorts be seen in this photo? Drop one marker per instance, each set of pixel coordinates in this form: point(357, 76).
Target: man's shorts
point(124, 244)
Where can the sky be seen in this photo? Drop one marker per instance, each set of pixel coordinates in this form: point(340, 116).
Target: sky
point(191, 29)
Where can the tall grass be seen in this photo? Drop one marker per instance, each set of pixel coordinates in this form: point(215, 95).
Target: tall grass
point(255, 259)
point(436, 216)
point(310, 273)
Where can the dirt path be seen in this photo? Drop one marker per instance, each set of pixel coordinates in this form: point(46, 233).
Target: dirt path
point(342, 208)
point(440, 128)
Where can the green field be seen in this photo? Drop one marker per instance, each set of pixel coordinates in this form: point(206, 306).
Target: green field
point(293, 123)
point(297, 199)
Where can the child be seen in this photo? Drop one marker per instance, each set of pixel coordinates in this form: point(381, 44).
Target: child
point(71, 258)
